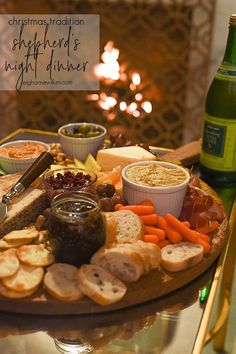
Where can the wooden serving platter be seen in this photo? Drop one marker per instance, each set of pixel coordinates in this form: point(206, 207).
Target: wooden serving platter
point(148, 287)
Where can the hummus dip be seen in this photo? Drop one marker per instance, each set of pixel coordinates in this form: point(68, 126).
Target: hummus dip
point(155, 175)
point(24, 150)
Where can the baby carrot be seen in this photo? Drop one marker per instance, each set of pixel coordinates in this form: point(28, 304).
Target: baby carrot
point(118, 206)
point(188, 234)
point(163, 243)
point(203, 237)
point(139, 209)
point(205, 245)
point(173, 235)
point(186, 223)
point(147, 202)
point(155, 231)
point(151, 238)
point(182, 229)
point(150, 219)
point(206, 229)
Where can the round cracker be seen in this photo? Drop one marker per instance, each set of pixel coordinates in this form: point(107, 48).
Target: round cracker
point(21, 235)
point(10, 294)
point(5, 245)
point(35, 255)
point(9, 263)
point(25, 279)
point(61, 282)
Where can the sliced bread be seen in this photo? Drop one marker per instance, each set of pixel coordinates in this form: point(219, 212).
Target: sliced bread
point(129, 226)
point(110, 226)
point(181, 256)
point(149, 253)
point(123, 226)
point(61, 282)
point(124, 263)
point(26, 207)
point(100, 285)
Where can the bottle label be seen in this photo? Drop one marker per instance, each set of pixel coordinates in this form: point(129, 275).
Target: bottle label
point(226, 72)
point(219, 144)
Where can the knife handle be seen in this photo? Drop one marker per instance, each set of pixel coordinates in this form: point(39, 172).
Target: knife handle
point(39, 166)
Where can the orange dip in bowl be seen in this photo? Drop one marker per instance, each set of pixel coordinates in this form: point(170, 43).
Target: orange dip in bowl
point(24, 150)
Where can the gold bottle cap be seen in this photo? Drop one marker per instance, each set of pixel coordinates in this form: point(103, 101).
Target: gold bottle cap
point(232, 20)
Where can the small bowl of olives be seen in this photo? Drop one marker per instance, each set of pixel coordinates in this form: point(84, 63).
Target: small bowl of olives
point(80, 139)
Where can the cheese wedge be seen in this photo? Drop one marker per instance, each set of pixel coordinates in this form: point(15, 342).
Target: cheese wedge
point(122, 156)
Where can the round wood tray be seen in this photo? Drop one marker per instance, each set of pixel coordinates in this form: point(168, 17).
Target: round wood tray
point(148, 287)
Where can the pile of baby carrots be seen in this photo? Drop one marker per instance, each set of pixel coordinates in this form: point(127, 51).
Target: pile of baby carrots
point(164, 230)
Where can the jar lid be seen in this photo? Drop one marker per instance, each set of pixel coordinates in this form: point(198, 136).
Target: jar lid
point(75, 205)
point(232, 20)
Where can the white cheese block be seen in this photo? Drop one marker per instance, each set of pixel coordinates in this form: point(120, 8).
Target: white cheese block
point(122, 156)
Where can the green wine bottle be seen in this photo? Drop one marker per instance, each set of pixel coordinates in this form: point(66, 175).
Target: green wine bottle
point(218, 154)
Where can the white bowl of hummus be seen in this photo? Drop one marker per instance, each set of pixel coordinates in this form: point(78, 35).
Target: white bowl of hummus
point(164, 183)
point(17, 156)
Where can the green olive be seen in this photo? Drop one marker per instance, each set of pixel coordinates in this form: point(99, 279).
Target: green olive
point(92, 134)
point(84, 129)
point(79, 135)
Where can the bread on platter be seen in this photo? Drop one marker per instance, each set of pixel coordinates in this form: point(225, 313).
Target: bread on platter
point(24, 209)
point(123, 226)
point(128, 261)
point(100, 285)
point(124, 264)
point(181, 256)
point(149, 253)
point(110, 226)
point(61, 282)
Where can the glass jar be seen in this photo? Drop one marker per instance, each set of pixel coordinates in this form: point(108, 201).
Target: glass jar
point(66, 346)
point(76, 227)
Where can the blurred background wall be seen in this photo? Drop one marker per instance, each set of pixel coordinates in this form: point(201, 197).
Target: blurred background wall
point(168, 51)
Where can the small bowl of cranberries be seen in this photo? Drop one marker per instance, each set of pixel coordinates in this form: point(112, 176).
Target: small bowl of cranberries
point(67, 179)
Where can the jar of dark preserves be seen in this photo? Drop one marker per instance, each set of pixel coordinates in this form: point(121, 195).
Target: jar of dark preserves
point(76, 227)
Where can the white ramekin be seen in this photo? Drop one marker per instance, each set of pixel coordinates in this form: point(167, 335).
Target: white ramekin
point(13, 165)
point(165, 199)
point(81, 147)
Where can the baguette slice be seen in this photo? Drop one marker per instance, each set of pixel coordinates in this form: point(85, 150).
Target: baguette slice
point(110, 226)
point(149, 253)
point(129, 226)
point(181, 256)
point(124, 263)
point(62, 283)
point(100, 285)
